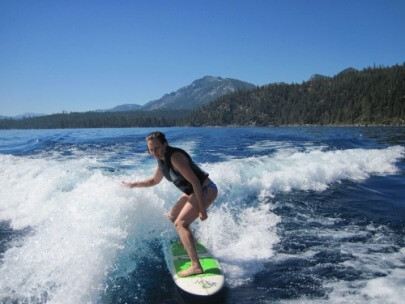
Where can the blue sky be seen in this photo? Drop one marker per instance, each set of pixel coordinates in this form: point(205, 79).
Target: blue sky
point(88, 55)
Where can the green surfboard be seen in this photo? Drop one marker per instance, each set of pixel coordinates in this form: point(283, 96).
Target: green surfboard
point(208, 283)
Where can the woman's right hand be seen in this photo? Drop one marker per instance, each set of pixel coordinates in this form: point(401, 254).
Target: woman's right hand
point(127, 184)
point(203, 215)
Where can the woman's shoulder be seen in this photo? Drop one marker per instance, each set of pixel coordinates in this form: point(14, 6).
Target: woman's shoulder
point(175, 150)
point(179, 156)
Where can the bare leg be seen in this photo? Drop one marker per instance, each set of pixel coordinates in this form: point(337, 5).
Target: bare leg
point(175, 210)
point(187, 215)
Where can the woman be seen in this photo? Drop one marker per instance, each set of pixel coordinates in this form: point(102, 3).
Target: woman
point(199, 191)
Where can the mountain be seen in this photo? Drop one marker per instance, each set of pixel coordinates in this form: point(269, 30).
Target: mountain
point(125, 107)
point(22, 116)
point(200, 92)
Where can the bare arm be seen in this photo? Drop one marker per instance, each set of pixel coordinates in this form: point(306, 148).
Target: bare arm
point(149, 182)
point(182, 165)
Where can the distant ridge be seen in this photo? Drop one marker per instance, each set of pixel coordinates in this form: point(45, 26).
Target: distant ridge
point(348, 71)
point(190, 97)
point(198, 93)
point(22, 116)
point(318, 77)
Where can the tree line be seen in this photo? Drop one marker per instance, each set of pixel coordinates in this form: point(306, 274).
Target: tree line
point(373, 96)
point(94, 120)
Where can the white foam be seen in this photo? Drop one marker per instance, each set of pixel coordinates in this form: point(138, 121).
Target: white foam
point(242, 239)
point(380, 263)
point(265, 145)
point(84, 224)
point(188, 145)
point(80, 220)
point(389, 288)
point(314, 170)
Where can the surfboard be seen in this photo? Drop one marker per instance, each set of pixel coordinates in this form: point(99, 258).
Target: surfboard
point(206, 284)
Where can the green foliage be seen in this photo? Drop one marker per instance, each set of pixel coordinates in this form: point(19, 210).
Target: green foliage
point(95, 120)
point(374, 96)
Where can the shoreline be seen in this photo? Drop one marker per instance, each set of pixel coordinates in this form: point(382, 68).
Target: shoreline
point(228, 126)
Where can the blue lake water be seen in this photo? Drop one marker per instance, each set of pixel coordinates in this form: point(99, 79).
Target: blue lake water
point(304, 215)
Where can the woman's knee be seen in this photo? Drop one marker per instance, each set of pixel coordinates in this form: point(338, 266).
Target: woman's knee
point(180, 223)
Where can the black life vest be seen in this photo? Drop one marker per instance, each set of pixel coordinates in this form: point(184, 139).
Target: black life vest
point(175, 177)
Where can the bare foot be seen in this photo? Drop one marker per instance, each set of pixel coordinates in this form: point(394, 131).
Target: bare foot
point(192, 270)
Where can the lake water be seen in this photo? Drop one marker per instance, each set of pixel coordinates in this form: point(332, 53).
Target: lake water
point(303, 215)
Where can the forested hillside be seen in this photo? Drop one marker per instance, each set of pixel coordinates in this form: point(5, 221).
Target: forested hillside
point(373, 96)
